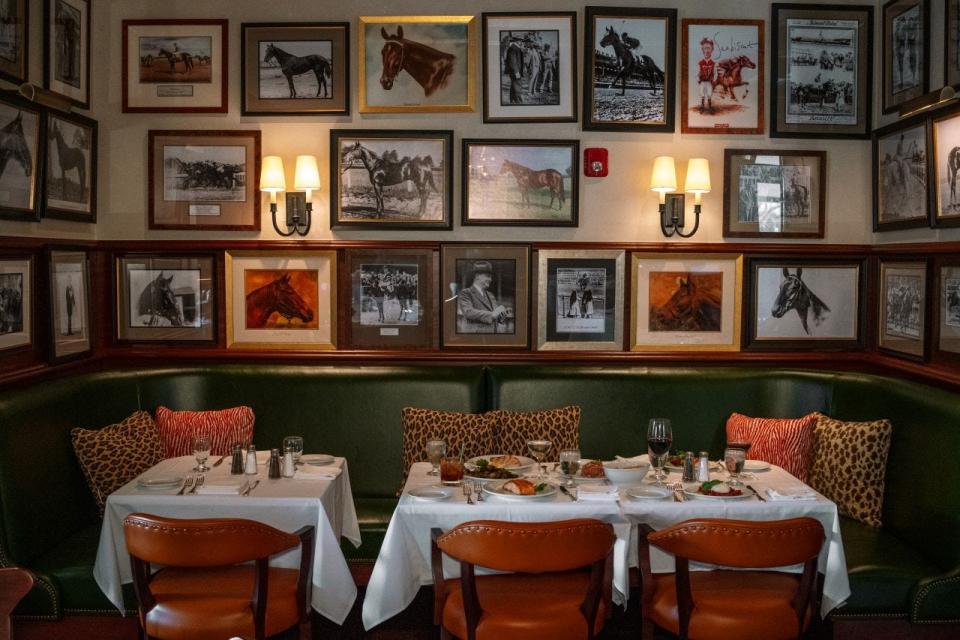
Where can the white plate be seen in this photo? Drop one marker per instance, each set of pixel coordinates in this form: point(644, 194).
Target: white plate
point(743, 496)
point(471, 478)
point(159, 483)
point(641, 492)
point(524, 461)
point(714, 466)
point(579, 479)
point(754, 466)
point(496, 489)
point(431, 494)
point(317, 459)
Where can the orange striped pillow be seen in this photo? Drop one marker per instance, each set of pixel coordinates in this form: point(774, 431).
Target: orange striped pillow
point(785, 442)
point(225, 427)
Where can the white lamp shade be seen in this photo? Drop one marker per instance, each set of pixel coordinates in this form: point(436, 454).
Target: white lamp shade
point(307, 175)
point(698, 176)
point(664, 175)
point(272, 179)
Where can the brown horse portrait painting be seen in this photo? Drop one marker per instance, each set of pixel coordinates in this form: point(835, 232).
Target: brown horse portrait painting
point(684, 301)
point(281, 298)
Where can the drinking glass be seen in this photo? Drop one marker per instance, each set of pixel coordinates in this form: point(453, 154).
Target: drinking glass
point(659, 439)
point(741, 443)
point(451, 471)
point(539, 450)
point(295, 444)
point(569, 464)
point(733, 459)
point(436, 449)
point(201, 451)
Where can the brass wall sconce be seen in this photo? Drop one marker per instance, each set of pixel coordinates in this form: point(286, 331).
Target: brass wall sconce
point(663, 180)
point(306, 179)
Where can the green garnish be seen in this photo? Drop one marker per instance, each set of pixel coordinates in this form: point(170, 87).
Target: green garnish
point(481, 463)
point(540, 487)
point(707, 486)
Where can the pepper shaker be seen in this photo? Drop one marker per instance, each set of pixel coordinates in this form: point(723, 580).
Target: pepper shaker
point(236, 463)
point(689, 472)
point(273, 471)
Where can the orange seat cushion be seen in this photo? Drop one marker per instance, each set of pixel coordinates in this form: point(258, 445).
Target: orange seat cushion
point(730, 604)
point(524, 606)
point(217, 603)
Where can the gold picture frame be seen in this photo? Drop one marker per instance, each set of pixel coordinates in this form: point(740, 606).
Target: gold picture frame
point(427, 92)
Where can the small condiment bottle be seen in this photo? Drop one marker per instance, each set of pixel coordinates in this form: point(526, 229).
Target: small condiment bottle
point(251, 468)
point(689, 472)
point(273, 471)
point(288, 463)
point(236, 463)
point(704, 473)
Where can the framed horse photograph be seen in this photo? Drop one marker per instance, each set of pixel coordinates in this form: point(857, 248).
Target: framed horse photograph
point(769, 193)
point(686, 302)
point(165, 298)
point(175, 66)
point(530, 67)
point(629, 69)
point(906, 52)
point(204, 179)
point(805, 304)
point(721, 77)
point(901, 170)
point(16, 302)
point(391, 179)
point(14, 40)
point(902, 312)
point(281, 300)
point(294, 68)
point(411, 64)
point(70, 299)
point(520, 182)
point(66, 50)
point(945, 133)
point(70, 191)
point(22, 153)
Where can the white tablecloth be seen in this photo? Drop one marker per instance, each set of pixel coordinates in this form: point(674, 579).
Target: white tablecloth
point(285, 503)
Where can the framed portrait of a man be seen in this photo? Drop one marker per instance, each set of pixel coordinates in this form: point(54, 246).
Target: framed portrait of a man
point(485, 296)
point(69, 288)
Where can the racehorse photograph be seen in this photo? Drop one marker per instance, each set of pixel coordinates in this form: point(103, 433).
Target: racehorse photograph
point(290, 70)
point(417, 64)
point(389, 294)
point(527, 182)
point(903, 304)
point(19, 146)
point(825, 92)
point(900, 177)
point(198, 173)
point(175, 59)
point(71, 179)
point(164, 297)
point(946, 166)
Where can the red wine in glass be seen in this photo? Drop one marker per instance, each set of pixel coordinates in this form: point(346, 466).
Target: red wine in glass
point(659, 446)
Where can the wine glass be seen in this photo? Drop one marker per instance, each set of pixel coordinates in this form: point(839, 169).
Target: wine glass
point(201, 451)
point(734, 458)
point(435, 449)
point(294, 444)
point(659, 439)
point(569, 464)
point(539, 450)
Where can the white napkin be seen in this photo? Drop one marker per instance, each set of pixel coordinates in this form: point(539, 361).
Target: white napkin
point(644, 458)
point(226, 487)
point(795, 493)
point(310, 472)
point(597, 493)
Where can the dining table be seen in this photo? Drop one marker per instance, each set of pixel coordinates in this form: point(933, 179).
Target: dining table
point(322, 499)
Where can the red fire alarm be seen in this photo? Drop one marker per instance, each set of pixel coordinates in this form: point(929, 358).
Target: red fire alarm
point(595, 163)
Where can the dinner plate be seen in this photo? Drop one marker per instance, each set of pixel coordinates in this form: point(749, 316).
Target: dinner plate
point(743, 496)
point(317, 459)
point(714, 466)
point(431, 494)
point(159, 483)
point(641, 492)
point(471, 478)
point(579, 479)
point(753, 466)
point(497, 490)
point(524, 461)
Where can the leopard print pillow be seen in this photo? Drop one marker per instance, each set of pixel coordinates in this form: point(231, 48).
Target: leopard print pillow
point(113, 456)
point(560, 426)
point(849, 464)
point(475, 431)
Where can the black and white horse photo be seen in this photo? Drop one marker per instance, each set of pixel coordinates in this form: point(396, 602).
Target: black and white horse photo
point(795, 295)
point(164, 298)
point(305, 63)
point(628, 79)
point(68, 163)
point(18, 144)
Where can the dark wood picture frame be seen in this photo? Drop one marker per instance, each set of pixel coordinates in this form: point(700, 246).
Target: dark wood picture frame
point(17, 71)
point(28, 301)
point(729, 156)
point(571, 76)
point(936, 183)
point(337, 172)
point(670, 72)
point(880, 167)
point(66, 171)
point(221, 106)
point(951, 42)
point(779, 128)
point(249, 208)
point(938, 306)
point(38, 160)
point(337, 74)
point(84, 26)
point(910, 349)
point(72, 353)
point(888, 50)
point(466, 171)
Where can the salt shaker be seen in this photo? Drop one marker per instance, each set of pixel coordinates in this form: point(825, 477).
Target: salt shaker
point(251, 468)
point(689, 473)
point(273, 471)
point(236, 463)
point(704, 473)
point(288, 465)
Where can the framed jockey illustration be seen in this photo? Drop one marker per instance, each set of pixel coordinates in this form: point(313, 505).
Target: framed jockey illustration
point(66, 48)
point(821, 78)
point(629, 69)
point(295, 68)
point(529, 67)
point(906, 51)
point(901, 175)
point(902, 313)
point(391, 179)
point(721, 78)
point(23, 126)
point(417, 63)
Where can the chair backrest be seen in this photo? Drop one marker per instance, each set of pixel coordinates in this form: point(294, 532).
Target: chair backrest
point(531, 547)
point(209, 542)
point(742, 543)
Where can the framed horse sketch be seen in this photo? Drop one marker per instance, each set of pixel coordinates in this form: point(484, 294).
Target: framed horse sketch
point(530, 67)
point(70, 297)
point(281, 300)
point(295, 68)
point(902, 325)
point(392, 299)
point(805, 304)
point(14, 41)
point(580, 300)
point(901, 168)
point(821, 81)
point(906, 51)
point(951, 43)
point(391, 179)
point(721, 86)
point(175, 66)
point(22, 137)
point(629, 69)
point(70, 191)
point(165, 298)
point(66, 49)
point(204, 179)
point(520, 182)
point(946, 330)
point(16, 301)
point(769, 193)
point(417, 63)
point(686, 302)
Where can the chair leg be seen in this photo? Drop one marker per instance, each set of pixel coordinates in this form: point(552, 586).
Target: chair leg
point(647, 629)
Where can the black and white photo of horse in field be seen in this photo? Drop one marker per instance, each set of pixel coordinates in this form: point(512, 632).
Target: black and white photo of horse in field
point(164, 297)
point(822, 71)
point(204, 173)
point(291, 69)
point(19, 135)
point(629, 58)
point(68, 164)
point(176, 59)
point(902, 180)
point(804, 301)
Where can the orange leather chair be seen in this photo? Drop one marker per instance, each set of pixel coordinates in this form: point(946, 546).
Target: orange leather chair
point(203, 591)
point(559, 588)
point(732, 603)
point(14, 584)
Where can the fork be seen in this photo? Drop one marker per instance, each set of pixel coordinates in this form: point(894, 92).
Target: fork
point(187, 483)
point(478, 487)
point(678, 493)
point(197, 484)
point(467, 492)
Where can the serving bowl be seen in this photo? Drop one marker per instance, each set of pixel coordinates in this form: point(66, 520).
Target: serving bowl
point(625, 473)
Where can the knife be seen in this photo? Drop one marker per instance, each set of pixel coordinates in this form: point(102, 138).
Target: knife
point(218, 462)
point(567, 493)
point(757, 493)
point(251, 488)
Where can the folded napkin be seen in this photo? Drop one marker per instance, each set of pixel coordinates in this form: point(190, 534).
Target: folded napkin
point(644, 458)
point(597, 493)
point(310, 472)
point(796, 493)
point(226, 487)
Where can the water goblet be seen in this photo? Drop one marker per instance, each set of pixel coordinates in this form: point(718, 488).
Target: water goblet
point(659, 439)
point(569, 465)
point(201, 451)
point(435, 449)
point(294, 444)
point(734, 459)
point(539, 450)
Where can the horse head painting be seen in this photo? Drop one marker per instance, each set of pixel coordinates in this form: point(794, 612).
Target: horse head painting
point(291, 65)
point(794, 294)
point(528, 179)
point(695, 304)
point(430, 67)
point(631, 64)
point(388, 169)
point(13, 146)
point(159, 303)
point(277, 297)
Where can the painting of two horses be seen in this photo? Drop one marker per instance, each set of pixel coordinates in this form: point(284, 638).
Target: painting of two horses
point(19, 147)
point(806, 302)
point(170, 58)
point(281, 299)
point(685, 301)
